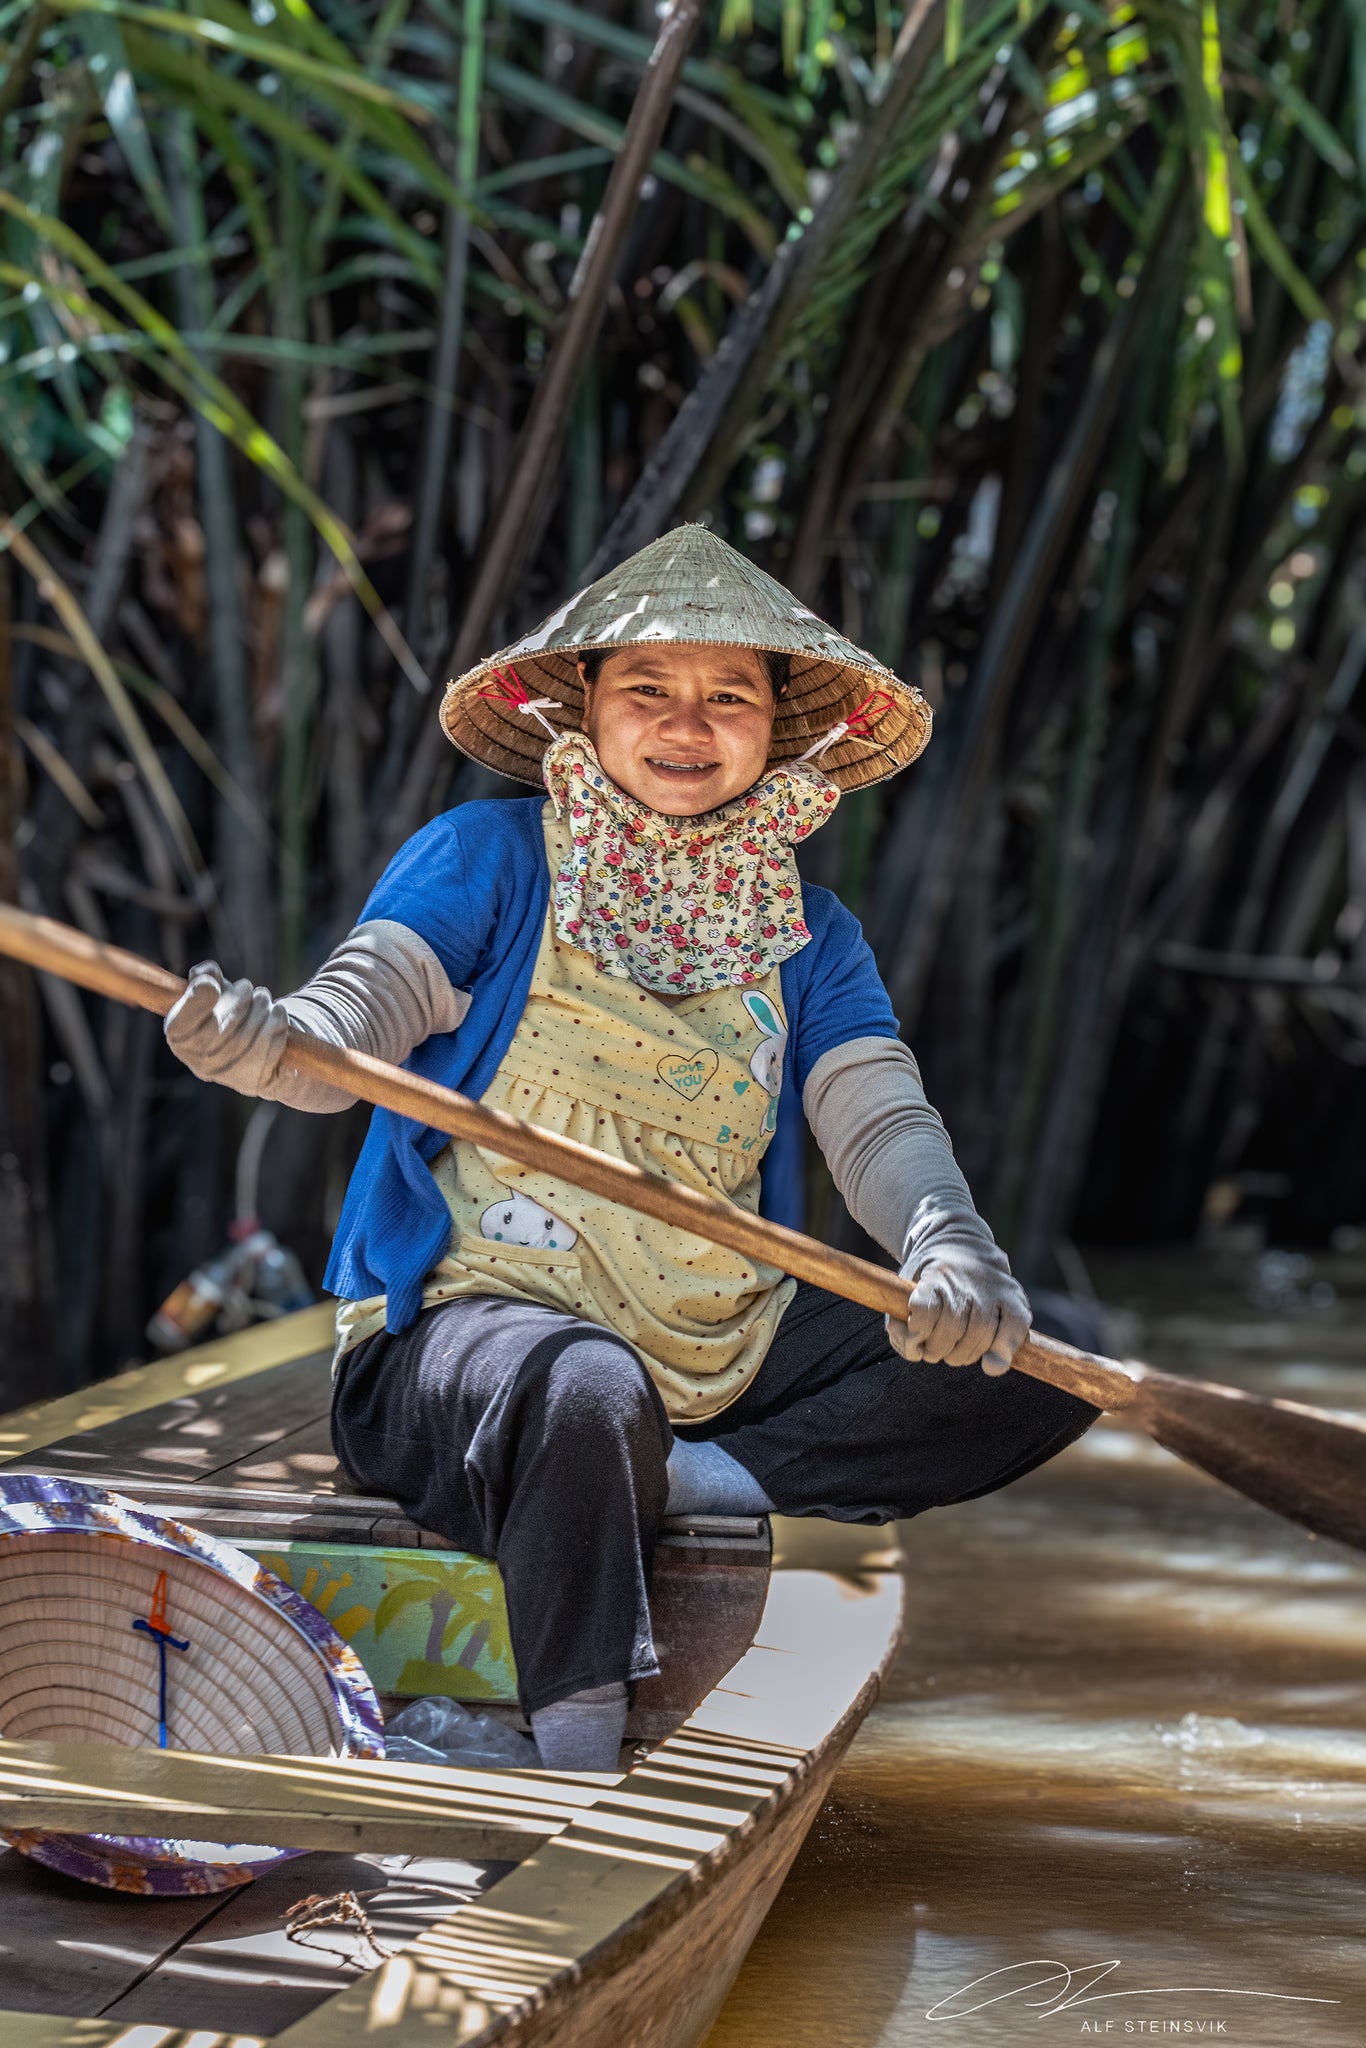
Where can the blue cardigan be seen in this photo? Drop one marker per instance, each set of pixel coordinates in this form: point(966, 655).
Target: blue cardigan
point(475, 884)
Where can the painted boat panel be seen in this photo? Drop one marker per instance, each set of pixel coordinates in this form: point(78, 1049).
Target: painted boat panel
point(423, 1622)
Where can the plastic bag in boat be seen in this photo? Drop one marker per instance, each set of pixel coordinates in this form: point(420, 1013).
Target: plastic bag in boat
point(441, 1731)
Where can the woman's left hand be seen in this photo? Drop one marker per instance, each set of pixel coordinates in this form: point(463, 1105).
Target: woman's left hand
point(963, 1308)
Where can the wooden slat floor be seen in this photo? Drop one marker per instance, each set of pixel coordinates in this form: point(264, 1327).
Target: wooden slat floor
point(26, 1432)
point(269, 1431)
point(70, 1948)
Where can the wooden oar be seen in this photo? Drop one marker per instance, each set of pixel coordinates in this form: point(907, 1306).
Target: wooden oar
point(1301, 1462)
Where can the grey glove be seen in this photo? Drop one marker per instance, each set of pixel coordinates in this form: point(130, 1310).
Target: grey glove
point(963, 1308)
point(228, 1031)
point(891, 1159)
point(382, 991)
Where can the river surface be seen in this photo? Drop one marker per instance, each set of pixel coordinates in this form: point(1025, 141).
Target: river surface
point(1115, 1787)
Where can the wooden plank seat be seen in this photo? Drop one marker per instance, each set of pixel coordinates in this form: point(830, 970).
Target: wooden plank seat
point(262, 1512)
point(342, 1803)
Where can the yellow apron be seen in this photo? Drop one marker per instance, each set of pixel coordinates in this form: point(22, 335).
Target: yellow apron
point(686, 1089)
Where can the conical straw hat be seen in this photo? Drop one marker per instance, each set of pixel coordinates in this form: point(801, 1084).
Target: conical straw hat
point(691, 588)
point(264, 1672)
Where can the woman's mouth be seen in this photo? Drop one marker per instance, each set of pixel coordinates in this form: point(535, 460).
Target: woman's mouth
point(681, 768)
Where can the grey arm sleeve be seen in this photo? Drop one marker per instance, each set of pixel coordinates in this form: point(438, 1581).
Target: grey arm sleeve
point(381, 991)
point(890, 1156)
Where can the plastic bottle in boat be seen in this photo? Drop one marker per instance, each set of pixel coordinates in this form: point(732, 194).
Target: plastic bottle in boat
point(190, 1310)
point(277, 1286)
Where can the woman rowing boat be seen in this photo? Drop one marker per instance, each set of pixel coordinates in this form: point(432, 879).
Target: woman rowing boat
point(632, 961)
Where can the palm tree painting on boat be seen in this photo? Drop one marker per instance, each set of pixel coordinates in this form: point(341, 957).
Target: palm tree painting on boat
point(421, 1622)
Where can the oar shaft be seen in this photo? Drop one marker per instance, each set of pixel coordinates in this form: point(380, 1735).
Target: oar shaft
point(56, 948)
point(60, 949)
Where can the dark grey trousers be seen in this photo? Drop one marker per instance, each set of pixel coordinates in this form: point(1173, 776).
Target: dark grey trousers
point(539, 1440)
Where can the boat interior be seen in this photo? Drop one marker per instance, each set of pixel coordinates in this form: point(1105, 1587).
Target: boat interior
point(474, 1897)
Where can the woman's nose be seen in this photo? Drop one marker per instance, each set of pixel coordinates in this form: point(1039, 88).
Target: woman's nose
point(684, 718)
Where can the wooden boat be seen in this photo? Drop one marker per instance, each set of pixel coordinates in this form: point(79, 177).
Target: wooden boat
point(511, 1906)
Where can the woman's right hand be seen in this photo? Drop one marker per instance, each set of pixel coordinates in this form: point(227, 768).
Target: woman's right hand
point(228, 1031)
point(381, 991)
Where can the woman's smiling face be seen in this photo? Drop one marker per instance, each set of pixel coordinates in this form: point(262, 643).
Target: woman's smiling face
point(682, 729)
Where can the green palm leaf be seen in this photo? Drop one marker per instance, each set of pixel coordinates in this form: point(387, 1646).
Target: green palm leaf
point(179, 367)
point(225, 28)
point(99, 35)
point(193, 84)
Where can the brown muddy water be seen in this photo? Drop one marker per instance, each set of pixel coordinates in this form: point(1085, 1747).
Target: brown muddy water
point(1115, 1788)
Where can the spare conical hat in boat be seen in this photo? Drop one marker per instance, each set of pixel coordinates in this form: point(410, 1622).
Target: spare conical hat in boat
point(692, 589)
point(264, 1673)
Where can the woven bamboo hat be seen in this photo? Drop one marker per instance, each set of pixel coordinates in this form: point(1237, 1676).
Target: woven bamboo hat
point(691, 588)
point(251, 1666)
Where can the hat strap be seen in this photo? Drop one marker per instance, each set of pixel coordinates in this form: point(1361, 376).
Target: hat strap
point(158, 1628)
point(510, 689)
point(859, 724)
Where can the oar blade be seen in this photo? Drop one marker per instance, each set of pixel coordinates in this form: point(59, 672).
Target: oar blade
point(1300, 1462)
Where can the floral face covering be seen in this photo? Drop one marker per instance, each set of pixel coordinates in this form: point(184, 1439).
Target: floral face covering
point(682, 905)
